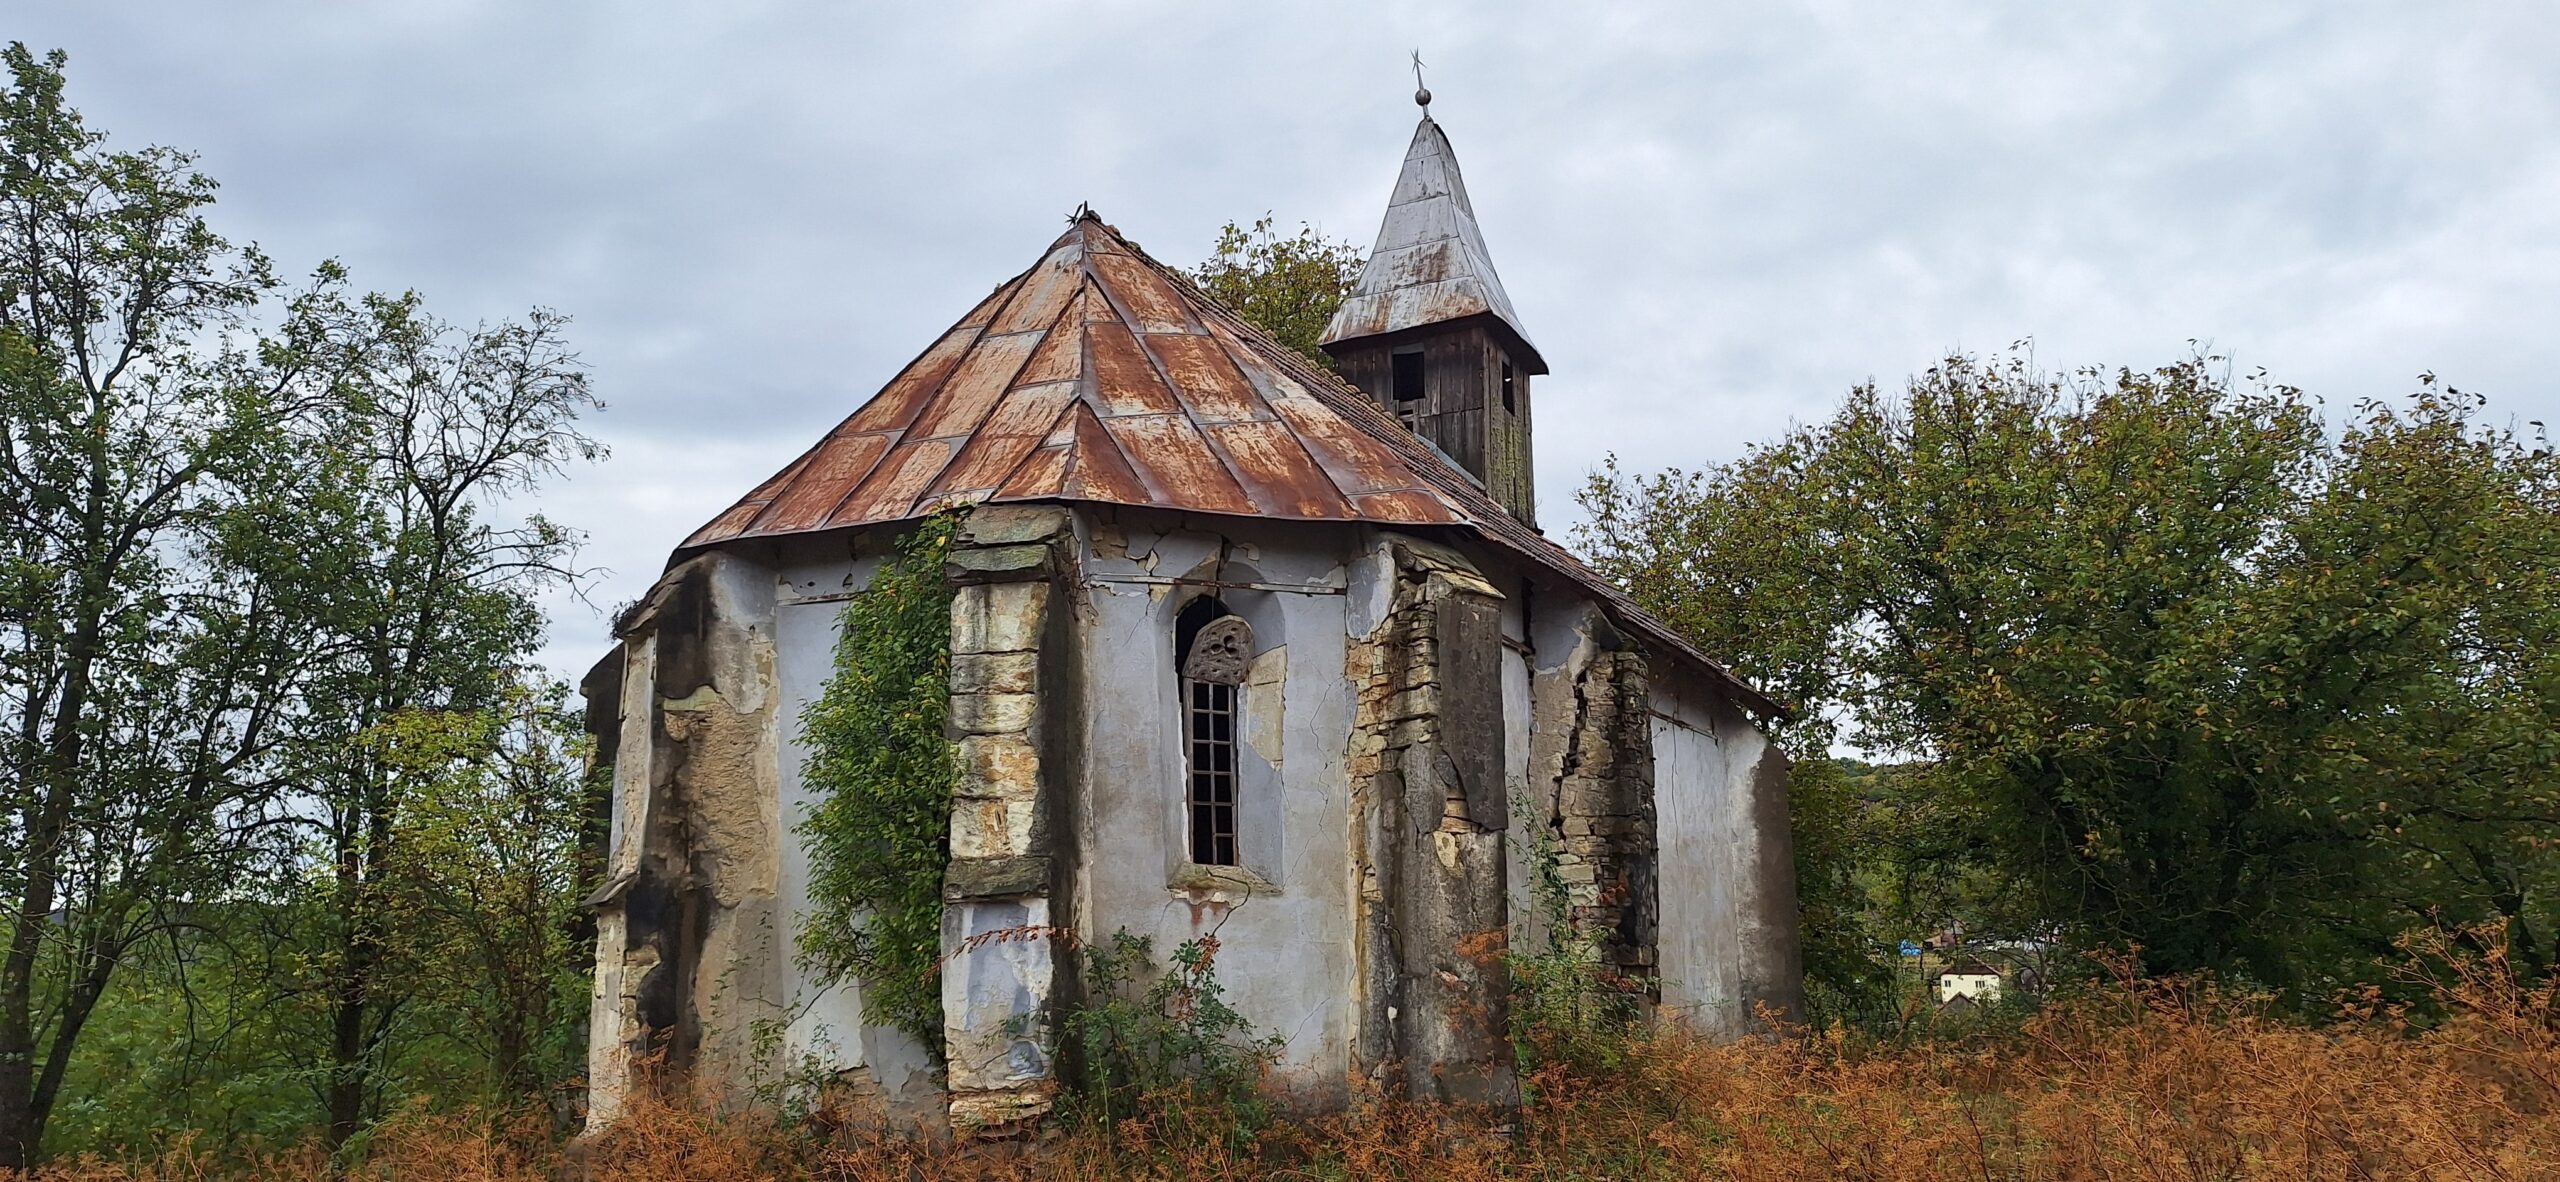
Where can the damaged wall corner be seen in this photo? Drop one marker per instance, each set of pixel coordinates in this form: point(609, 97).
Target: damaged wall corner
point(1429, 814)
point(690, 939)
point(1591, 761)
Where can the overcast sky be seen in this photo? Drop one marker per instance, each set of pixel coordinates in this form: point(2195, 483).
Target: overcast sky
point(1713, 218)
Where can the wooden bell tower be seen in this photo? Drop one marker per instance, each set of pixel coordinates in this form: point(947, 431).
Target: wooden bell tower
point(1429, 333)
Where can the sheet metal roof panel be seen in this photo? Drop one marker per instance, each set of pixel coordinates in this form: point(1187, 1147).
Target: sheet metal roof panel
point(901, 479)
point(731, 523)
point(1284, 480)
point(984, 312)
point(1060, 357)
point(1214, 391)
point(1404, 506)
point(1430, 172)
point(896, 404)
point(1173, 461)
point(1044, 291)
point(1204, 413)
point(973, 388)
point(1021, 422)
point(1149, 303)
point(1420, 221)
point(1040, 476)
point(834, 472)
point(1097, 470)
point(1125, 378)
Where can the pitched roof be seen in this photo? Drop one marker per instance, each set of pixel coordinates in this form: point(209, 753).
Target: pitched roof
point(1430, 265)
point(1101, 375)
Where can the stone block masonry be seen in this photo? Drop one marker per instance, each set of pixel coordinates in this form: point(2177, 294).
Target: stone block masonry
point(1429, 814)
point(1592, 774)
point(1013, 722)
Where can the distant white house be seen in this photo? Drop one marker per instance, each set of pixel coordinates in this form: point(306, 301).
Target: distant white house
point(1970, 980)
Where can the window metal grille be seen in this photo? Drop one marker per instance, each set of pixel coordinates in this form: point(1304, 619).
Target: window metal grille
point(1209, 728)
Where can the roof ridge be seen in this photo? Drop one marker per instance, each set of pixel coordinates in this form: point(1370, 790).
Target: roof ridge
point(1084, 386)
point(1211, 415)
point(1488, 516)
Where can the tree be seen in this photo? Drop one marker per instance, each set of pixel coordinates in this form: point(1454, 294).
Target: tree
point(2181, 668)
point(486, 876)
point(423, 601)
point(1288, 287)
point(139, 677)
point(241, 529)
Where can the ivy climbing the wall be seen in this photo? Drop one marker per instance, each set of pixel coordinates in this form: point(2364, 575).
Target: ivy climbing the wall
point(878, 837)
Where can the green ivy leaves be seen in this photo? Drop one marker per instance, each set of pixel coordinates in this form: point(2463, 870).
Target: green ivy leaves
point(878, 838)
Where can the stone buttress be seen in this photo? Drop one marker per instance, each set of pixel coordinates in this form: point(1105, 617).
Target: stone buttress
point(1591, 760)
point(1014, 718)
point(1429, 813)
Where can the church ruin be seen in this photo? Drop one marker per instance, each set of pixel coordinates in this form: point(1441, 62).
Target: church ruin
point(1238, 645)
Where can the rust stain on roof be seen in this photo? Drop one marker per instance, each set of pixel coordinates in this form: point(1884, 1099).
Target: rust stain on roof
point(1101, 375)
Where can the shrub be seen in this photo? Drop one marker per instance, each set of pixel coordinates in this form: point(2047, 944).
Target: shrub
point(2129, 1079)
point(1172, 1051)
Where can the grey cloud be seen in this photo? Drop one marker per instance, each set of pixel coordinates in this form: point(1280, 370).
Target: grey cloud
point(1713, 217)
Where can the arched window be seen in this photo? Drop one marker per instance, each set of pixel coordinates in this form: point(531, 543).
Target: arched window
point(1211, 647)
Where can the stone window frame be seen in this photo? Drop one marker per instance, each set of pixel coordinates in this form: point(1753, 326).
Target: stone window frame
point(1209, 702)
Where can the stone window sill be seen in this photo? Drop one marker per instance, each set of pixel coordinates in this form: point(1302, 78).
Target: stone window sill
point(1234, 880)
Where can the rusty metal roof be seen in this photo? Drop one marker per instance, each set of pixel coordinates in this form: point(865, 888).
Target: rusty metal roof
point(1430, 265)
point(1102, 375)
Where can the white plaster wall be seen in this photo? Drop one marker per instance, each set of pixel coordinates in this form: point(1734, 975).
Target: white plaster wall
point(825, 1028)
point(1287, 956)
point(1703, 756)
point(1285, 953)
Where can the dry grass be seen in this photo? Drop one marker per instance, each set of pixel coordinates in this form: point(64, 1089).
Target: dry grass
point(2141, 1082)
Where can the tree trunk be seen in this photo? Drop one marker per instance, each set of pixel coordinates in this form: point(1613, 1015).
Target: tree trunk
point(19, 1127)
point(21, 1124)
point(346, 1063)
point(23, 1109)
point(357, 1018)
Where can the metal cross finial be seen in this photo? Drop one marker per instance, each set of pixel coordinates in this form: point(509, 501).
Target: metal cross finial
point(1421, 93)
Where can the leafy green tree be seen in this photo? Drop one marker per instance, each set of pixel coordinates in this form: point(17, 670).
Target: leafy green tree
point(486, 877)
point(1288, 287)
point(241, 529)
point(423, 595)
point(142, 678)
point(2175, 665)
point(1835, 835)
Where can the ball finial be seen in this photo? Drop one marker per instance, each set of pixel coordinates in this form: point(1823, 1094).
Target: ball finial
point(1421, 93)
point(1422, 98)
